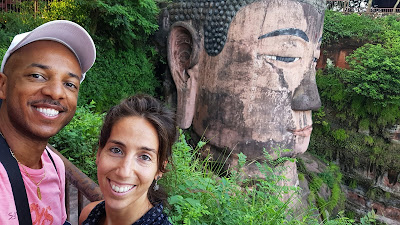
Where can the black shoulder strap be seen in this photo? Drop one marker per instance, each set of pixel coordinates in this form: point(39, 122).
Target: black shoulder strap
point(52, 160)
point(17, 183)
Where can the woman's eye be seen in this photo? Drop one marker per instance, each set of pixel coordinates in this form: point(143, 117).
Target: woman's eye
point(145, 157)
point(116, 150)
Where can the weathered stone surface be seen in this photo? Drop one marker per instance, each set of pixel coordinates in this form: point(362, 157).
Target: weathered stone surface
point(385, 200)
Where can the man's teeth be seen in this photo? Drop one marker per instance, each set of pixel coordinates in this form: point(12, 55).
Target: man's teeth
point(47, 111)
point(121, 189)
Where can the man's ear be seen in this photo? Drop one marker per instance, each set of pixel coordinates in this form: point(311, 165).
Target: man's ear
point(183, 56)
point(3, 86)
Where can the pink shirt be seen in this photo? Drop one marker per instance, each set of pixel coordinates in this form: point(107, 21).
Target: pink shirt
point(49, 210)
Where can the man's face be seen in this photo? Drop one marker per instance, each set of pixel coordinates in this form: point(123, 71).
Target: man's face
point(41, 90)
point(256, 93)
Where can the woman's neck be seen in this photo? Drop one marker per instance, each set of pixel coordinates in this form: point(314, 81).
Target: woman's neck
point(128, 215)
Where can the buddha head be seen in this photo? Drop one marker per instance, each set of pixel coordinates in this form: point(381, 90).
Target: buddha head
point(245, 71)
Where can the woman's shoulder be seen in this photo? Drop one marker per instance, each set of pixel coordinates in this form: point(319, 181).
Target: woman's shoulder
point(86, 211)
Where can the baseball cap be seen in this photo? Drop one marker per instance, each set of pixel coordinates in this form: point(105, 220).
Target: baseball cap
point(68, 33)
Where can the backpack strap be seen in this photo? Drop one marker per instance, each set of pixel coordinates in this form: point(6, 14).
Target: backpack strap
point(17, 183)
point(52, 160)
point(54, 164)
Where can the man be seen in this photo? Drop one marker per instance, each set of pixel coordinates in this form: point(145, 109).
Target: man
point(40, 78)
point(245, 72)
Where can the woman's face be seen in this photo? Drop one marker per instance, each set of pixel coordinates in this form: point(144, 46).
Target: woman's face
point(127, 165)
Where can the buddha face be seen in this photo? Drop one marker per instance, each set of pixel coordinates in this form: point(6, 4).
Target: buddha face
point(258, 92)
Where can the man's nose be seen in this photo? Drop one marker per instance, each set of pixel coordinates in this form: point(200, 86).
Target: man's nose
point(306, 96)
point(54, 89)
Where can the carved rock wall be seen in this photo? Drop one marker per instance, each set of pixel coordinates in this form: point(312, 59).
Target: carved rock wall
point(372, 192)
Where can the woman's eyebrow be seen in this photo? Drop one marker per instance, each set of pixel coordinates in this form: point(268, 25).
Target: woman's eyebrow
point(287, 31)
point(148, 149)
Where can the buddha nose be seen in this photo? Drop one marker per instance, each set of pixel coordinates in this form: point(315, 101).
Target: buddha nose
point(306, 96)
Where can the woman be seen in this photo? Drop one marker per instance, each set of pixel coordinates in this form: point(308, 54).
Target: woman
point(134, 149)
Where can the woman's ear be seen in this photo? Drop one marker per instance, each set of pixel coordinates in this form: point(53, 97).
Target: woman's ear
point(98, 156)
point(183, 57)
point(158, 175)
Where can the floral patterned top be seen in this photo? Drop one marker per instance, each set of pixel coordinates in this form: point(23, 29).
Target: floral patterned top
point(154, 216)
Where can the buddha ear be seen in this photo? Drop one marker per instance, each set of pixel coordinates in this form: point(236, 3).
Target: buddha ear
point(183, 58)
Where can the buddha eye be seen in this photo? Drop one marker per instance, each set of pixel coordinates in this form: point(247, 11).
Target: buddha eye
point(280, 58)
point(287, 59)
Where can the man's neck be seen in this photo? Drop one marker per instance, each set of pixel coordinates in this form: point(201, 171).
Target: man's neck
point(27, 150)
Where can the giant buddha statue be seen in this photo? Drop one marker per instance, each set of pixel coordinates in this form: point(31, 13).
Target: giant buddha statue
point(244, 71)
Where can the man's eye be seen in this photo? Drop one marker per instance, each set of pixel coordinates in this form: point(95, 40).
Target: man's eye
point(37, 76)
point(315, 60)
point(116, 150)
point(71, 85)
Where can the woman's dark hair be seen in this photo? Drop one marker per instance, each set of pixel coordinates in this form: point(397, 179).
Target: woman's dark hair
point(162, 118)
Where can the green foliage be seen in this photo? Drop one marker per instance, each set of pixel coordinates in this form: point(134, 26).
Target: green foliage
point(125, 23)
point(338, 26)
point(316, 183)
point(340, 135)
point(366, 96)
point(368, 219)
point(199, 196)
point(117, 75)
point(360, 100)
point(78, 141)
point(125, 63)
point(357, 150)
point(374, 74)
point(301, 176)
point(353, 184)
point(65, 10)
point(330, 178)
point(387, 195)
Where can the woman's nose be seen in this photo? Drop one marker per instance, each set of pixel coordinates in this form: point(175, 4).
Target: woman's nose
point(125, 168)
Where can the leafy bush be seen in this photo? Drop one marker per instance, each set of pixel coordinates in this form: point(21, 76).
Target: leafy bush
point(338, 26)
point(199, 196)
point(125, 63)
point(78, 141)
point(117, 75)
point(66, 10)
point(363, 101)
